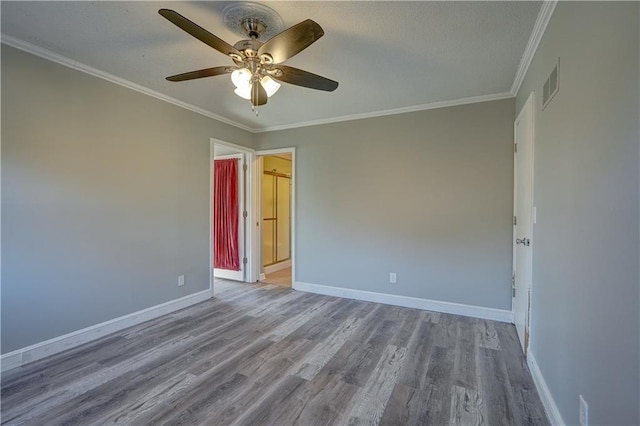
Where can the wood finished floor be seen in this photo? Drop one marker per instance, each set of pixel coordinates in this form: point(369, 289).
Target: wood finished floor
point(281, 277)
point(265, 354)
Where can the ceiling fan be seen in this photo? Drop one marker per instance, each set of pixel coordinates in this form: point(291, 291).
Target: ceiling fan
point(258, 64)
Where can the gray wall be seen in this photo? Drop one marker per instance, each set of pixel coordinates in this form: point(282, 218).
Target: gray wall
point(428, 195)
point(585, 318)
point(105, 199)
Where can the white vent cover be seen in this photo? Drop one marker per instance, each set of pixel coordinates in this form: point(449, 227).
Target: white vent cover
point(551, 86)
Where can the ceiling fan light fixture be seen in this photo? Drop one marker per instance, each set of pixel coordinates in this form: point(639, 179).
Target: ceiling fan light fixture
point(241, 78)
point(270, 85)
point(244, 92)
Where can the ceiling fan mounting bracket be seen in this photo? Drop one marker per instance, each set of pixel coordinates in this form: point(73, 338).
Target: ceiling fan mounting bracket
point(252, 20)
point(253, 27)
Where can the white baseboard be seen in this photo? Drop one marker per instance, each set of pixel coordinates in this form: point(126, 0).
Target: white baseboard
point(408, 302)
point(548, 402)
point(58, 344)
point(277, 267)
point(226, 274)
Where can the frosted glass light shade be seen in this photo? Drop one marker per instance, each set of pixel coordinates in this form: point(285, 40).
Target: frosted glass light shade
point(241, 78)
point(244, 92)
point(270, 85)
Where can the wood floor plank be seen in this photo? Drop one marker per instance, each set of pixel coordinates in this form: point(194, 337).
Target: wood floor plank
point(439, 384)
point(368, 405)
point(464, 363)
point(262, 412)
point(522, 387)
point(466, 407)
point(487, 334)
point(407, 406)
point(294, 323)
point(414, 371)
point(265, 354)
point(325, 350)
point(319, 402)
point(259, 386)
point(155, 397)
point(495, 388)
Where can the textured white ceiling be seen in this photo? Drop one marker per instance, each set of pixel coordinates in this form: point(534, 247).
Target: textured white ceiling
point(385, 55)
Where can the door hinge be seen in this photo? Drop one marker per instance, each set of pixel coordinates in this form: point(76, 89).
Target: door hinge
point(515, 148)
point(513, 286)
point(513, 292)
point(244, 260)
point(244, 167)
point(515, 220)
point(244, 214)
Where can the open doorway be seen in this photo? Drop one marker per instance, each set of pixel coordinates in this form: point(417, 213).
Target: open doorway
point(230, 184)
point(276, 207)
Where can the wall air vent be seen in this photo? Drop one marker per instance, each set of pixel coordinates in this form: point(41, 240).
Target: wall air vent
point(551, 86)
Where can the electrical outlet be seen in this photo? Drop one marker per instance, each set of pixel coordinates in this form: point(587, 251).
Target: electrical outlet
point(392, 277)
point(180, 280)
point(584, 412)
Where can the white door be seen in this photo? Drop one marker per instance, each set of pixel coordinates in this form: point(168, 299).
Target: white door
point(226, 273)
point(522, 229)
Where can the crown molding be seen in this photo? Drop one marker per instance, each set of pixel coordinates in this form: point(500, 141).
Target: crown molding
point(394, 111)
point(544, 16)
point(63, 60)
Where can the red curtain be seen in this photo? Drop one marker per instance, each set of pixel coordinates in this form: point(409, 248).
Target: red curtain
point(226, 253)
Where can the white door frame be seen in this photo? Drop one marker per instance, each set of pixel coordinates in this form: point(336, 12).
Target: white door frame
point(257, 248)
point(527, 108)
point(249, 206)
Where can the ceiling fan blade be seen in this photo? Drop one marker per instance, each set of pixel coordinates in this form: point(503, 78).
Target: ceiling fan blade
point(258, 94)
point(304, 78)
point(207, 72)
point(199, 32)
point(292, 41)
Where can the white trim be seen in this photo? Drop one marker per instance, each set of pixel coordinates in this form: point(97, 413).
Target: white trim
point(58, 344)
point(277, 267)
point(292, 201)
point(548, 402)
point(540, 26)
point(544, 16)
point(494, 314)
point(276, 151)
point(79, 66)
point(227, 157)
point(394, 111)
point(226, 274)
point(257, 199)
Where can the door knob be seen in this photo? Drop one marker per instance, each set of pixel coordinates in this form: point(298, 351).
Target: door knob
point(523, 241)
